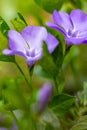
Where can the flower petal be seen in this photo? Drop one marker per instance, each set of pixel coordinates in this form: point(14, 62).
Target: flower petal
point(62, 19)
point(16, 41)
point(75, 40)
point(13, 52)
point(32, 60)
point(52, 42)
point(79, 19)
point(34, 35)
point(44, 96)
point(82, 34)
point(56, 27)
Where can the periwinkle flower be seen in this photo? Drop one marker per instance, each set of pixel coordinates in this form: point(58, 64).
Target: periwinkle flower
point(28, 43)
point(43, 97)
point(73, 26)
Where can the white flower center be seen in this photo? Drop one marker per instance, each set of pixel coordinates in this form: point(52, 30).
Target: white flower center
point(73, 33)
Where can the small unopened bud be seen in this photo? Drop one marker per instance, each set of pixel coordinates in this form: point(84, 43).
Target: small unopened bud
point(43, 97)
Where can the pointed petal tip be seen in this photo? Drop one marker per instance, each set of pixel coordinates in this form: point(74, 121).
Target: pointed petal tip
point(6, 52)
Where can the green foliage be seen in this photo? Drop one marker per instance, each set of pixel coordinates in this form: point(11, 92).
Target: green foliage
point(19, 22)
point(6, 120)
point(22, 18)
point(47, 62)
point(58, 56)
point(85, 93)
point(3, 27)
point(7, 58)
point(80, 124)
point(38, 70)
point(61, 103)
point(50, 5)
point(50, 120)
point(12, 95)
point(77, 3)
point(52, 64)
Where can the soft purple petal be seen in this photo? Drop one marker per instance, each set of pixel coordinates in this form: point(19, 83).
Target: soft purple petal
point(16, 41)
point(56, 27)
point(44, 96)
point(34, 35)
point(79, 19)
point(73, 26)
point(28, 44)
point(62, 19)
point(45, 91)
point(32, 60)
point(52, 42)
point(74, 40)
point(13, 52)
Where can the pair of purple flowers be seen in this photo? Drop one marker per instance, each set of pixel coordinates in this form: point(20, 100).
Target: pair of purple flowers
point(28, 43)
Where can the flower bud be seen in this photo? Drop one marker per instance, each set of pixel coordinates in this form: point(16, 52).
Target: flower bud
point(44, 96)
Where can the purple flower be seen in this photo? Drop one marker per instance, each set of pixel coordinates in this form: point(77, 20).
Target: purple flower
point(43, 97)
point(73, 26)
point(28, 43)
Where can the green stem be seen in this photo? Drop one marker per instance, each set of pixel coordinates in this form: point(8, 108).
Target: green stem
point(30, 71)
point(30, 76)
point(15, 118)
point(13, 115)
point(28, 83)
point(34, 124)
point(55, 87)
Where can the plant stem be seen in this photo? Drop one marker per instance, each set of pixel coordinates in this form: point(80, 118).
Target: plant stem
point(12, 113)
point(30, 71)
point(28, 83)
point(55, 87)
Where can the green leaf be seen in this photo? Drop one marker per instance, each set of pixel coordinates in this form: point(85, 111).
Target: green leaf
point(40, 72)
point(49, 127)
point(22, 18)
point(85, 93)
point(7, 58)
point(77, 3)
point(61, 103)
point(40, 126)
point(47, 62)
point(19, 22)
point(81, 124)
point(59, 52)
point(3, 42)
point(50, 5)
point(82, 119)
point(3, 27)
point(50, 120)
point(58, 56)
point(13, 95)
